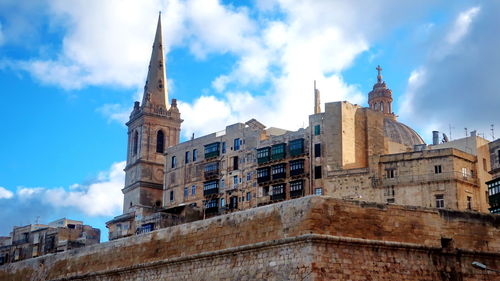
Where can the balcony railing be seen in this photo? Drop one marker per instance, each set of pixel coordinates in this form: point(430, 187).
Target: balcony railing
point(279, 176)
point(261, 160)
point(212, 210)
point(297, 151)
point(210, 191)
point(297, 193)
point(425, 178)
point(212, 154)
point(279, 196)
point(297, 172)
point(211, 174)
point(263, 179)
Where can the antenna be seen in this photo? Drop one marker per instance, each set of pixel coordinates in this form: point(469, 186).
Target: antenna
point(492, 132)
point(450, 127)
point(465, 132)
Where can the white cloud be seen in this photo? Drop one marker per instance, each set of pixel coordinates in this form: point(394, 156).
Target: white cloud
point(456, 85)
point(103, 197)
point(5, 193)
point(461, 25)
point(115, 112)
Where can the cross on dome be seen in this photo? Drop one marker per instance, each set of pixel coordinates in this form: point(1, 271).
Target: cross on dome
point(379, 76)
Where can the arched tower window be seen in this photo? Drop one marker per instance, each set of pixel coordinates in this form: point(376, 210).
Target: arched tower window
point(382, 106)
point(160, 140)
point(376, 106)
point(135, 143)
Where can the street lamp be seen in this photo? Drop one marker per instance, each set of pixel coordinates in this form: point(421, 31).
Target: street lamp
point(482, 266)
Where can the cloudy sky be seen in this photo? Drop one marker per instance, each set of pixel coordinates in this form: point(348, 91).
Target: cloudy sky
point(71, 70)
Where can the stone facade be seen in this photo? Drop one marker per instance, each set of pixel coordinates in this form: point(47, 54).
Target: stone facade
point(347, 152)
point(38, 239)
point(310, 238)
point(494, 184)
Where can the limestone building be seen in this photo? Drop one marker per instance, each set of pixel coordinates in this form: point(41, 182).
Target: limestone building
point(347, 152)
point(35, 240)
point(494, 184)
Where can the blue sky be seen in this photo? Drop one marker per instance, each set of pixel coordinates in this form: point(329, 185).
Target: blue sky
point(71, 70)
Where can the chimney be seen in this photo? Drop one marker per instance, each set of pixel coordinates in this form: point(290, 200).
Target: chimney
point(435, 137)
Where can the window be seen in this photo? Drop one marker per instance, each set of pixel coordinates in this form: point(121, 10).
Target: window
point(278, 151)
point(186, 192)
point(235, 163)
point(195, 154)
point(211, 204)
point(390, 201)
point(263, 155)
point(390, 173)
point(223, 147)
point(317, 150)
point(222, 202)
point(278, 189)
point(297, 167)
point(296, 147)
point(222, 183)
point(187, 157)
point(135, 143)
point(210, 187)
point(296, 188)
point(235, 180)
point(160, 139)
point(464, 172)
point(389, 191)
point(249, 176)
point(174, 162)
point(439, 201)
point(263, 175)
point(437, 169)
point(318, 191)
point(212, 150)
point(317, 130)
point(193, 190)
point(171, 195)
point(249, 196)
point(236, 144)
point(278, 171)
point(317, 172)
point(469, 203)
point(211, 169)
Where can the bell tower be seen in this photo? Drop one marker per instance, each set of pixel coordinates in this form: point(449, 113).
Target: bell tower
point(380, 98)
point(153, 126)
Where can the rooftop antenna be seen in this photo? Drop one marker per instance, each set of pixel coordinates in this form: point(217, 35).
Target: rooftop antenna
point(465, 132)
point(492, 132)
point(450, 127)
point(192, 136)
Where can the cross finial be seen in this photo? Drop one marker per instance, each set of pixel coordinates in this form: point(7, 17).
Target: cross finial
point(379, 76)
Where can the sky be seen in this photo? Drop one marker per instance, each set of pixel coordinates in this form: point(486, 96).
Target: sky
point(71, 70)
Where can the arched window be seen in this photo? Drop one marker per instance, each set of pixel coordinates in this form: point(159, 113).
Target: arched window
point(135, 143)
point(376, 106)
point(382, 106)
point(160, 139)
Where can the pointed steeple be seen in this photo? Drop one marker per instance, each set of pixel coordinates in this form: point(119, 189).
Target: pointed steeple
point(155, 90)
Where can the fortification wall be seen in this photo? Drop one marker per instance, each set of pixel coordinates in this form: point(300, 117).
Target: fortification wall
point(311, 238)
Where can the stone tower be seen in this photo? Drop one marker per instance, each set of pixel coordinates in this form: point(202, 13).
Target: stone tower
point(380, 98)
point(154, 125)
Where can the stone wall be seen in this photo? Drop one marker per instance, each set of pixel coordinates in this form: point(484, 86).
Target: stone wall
point(311, 238)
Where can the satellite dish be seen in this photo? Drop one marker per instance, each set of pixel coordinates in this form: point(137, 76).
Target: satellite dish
point(445, 138)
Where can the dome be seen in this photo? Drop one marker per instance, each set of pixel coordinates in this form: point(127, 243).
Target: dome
point(400, 133)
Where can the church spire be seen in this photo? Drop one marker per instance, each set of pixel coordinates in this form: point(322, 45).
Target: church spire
point(155, 90)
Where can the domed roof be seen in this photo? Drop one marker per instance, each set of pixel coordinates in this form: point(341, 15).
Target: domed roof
point(400, 133)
